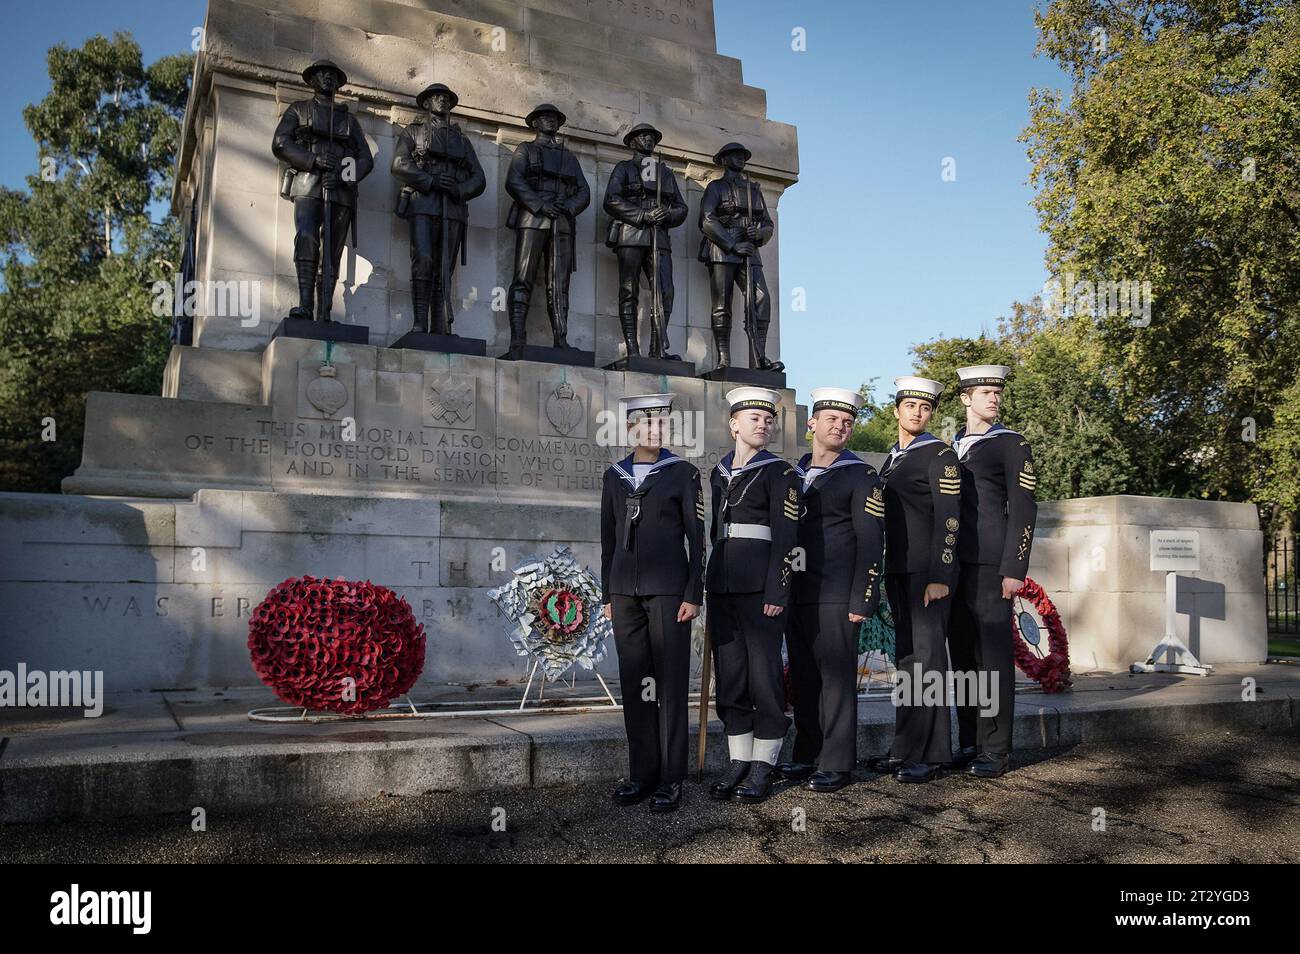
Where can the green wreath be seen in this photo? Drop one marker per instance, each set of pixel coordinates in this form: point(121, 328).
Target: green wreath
point(876, 634)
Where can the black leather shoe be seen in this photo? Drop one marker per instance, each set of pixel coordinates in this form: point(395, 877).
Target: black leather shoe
point(757, 785)
point(964, 757)
point(629, 793)
point(920, 772)
point(883, 764)
point(796, 771)
point(989, 765)
point(829, 781)
point(667, 797)
point(721, 789)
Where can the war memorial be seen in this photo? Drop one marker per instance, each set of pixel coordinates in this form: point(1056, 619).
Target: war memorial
point(426, 280)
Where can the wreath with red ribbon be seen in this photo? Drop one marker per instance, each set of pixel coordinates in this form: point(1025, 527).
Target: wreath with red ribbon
point(335, 645)
point(1051, 671)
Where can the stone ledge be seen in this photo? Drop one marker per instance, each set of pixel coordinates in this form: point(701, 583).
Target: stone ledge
point(221, 761)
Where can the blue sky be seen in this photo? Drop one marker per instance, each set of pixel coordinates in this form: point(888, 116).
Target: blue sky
point(887, 252)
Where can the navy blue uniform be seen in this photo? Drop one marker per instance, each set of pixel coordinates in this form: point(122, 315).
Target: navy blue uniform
point(922, 517)
point(998, 511)
point(841, 536)
point(652, 560)
point(744, 572)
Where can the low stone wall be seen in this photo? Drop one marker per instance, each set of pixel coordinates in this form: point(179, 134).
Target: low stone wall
point(1092, 556)
point(157, 593)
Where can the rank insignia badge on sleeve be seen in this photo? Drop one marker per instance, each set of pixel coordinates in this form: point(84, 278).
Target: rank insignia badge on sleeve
point(1028, 479)
point(875, 505)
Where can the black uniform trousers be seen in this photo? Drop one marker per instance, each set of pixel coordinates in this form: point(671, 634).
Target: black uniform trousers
point(308, 222)
point(723, 278)
point(654, 664)
point(635, 261)
point(533, 248)
point(980, 640)
point(426, 266)
point(921, 731)
point(823, 648)
point(750, 689)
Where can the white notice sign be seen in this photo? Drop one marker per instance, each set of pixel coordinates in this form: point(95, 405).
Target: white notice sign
point(1175, 550)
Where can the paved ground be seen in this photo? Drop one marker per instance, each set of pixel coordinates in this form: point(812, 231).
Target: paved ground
point(1218, 797)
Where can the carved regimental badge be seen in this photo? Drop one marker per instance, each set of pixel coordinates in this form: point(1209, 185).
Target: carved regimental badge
point(451, 402)
point(564, 409)
point(325, 390)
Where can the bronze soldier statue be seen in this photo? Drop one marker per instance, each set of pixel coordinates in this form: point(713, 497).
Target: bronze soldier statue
point(549, 192)
point(734, 223)
point(325, 156)
point(439, 172)
point(644, 202)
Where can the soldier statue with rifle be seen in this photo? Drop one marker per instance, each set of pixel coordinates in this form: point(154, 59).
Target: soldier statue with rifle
point(549, 192)
point(644, 202)
point(440, 173)
point(734, 223)
point(325, 157)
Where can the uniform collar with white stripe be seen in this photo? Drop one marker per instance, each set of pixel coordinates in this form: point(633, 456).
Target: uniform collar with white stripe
point(761, 459)
point(846, 459)
point(964, 442)
point(921, 440)
point(624, 467)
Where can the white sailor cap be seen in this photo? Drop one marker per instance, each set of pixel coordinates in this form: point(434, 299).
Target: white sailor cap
point(836, 399)
point(909, 386)
point(647, 405)
point(764, 399)
point(982, 375)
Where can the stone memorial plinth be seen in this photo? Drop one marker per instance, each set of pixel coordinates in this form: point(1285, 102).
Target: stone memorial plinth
point(359, 420)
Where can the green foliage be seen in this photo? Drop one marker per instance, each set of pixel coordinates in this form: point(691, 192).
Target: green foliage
point(79, 250)
point(1057, 397)
point(875, 430)
point(1176, 160)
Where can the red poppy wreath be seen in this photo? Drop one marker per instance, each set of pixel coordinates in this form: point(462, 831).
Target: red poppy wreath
point(1052, 671)
point(335, 645)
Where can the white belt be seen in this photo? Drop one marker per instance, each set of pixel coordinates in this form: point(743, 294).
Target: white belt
point(750, 531)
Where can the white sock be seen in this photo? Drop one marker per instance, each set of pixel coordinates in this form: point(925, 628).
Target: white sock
point(767, 750)
point(741, 747)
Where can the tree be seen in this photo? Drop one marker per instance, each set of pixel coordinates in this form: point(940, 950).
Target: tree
point(79, 250)
point(874, 431)
point(1176, 161)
